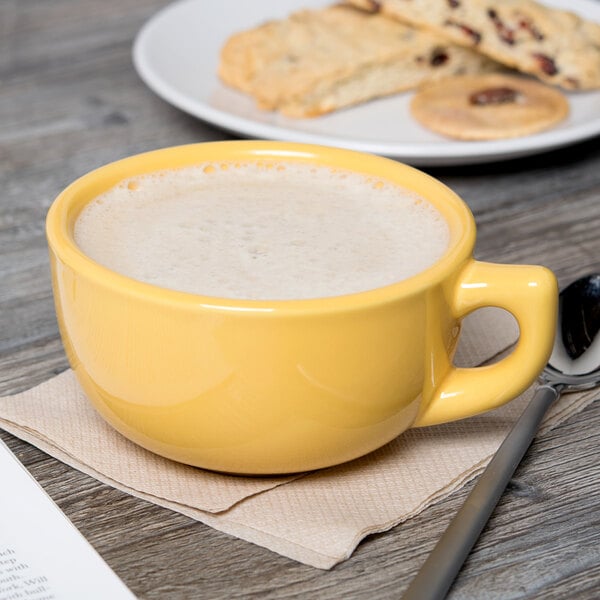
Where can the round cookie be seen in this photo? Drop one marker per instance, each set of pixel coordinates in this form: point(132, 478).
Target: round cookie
point(488, 107)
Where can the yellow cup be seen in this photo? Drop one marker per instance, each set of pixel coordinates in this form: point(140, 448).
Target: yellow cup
point(265, 387)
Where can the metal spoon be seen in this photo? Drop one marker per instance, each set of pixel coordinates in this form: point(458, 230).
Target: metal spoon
point(574, 365)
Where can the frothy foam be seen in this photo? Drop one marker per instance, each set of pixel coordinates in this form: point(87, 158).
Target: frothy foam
point(262, 231)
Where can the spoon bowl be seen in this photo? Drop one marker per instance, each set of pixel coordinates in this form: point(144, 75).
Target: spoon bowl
point(575, 359)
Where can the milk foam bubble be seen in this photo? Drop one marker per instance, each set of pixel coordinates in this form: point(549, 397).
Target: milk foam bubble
point(262, 231)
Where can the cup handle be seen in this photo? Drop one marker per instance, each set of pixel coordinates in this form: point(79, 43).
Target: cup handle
point(530, 294)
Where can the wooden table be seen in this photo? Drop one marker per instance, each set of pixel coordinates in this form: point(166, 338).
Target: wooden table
point(70, 100)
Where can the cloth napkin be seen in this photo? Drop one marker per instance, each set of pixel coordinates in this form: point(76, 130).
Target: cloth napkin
point(317, 518)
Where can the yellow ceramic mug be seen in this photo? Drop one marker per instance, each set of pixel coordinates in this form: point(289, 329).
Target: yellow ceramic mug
point(290, 385)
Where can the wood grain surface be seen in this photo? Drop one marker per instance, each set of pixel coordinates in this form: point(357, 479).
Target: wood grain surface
point(70, 101)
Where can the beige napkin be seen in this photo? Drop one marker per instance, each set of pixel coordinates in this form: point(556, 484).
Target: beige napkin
point(316, 518)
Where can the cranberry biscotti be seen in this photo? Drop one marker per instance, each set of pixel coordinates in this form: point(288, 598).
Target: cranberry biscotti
point(317, 61)
point(557, 46)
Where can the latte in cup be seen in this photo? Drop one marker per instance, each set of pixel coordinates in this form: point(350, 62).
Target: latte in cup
point(262, 230)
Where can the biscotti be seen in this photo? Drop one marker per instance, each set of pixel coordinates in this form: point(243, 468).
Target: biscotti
point(317, 61)
point(488, 107)
point(557, 46)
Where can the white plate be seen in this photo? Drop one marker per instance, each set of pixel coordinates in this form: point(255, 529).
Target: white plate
point(176, 54)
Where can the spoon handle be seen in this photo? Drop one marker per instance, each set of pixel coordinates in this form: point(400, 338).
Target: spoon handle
point(443, 564)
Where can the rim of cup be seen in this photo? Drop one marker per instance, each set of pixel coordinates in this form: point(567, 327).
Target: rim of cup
point(68, 204)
